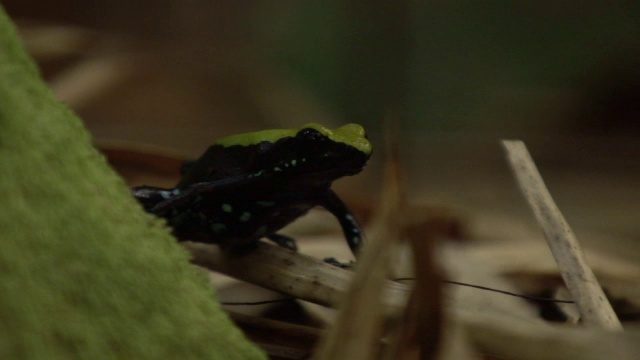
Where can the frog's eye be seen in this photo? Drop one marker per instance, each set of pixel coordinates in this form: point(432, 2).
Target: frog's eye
point(354, 136)
point(311, 134)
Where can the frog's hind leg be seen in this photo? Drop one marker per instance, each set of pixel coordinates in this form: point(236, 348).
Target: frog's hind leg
point(187, 166)
point(284, 241)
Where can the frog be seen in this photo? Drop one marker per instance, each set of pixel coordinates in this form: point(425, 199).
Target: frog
point(249, 186)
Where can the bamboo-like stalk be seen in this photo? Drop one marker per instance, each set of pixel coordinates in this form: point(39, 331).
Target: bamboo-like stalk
point(592, 303)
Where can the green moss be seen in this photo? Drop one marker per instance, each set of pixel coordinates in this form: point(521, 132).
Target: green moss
point(84, 272)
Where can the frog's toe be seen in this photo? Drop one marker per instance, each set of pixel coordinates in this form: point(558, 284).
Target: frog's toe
point(284, 241)
point(335, 262)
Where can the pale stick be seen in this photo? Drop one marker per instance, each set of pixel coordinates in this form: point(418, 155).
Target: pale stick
point(592, 303)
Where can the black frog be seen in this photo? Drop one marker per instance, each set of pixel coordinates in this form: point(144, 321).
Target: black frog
point(249, 186)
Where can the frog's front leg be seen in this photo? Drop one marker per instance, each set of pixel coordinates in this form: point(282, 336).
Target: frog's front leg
point(352, 231)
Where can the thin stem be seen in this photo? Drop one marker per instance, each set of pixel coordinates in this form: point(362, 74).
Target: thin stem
point(591, 301)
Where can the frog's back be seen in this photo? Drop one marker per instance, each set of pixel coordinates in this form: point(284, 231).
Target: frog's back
point(220, 162)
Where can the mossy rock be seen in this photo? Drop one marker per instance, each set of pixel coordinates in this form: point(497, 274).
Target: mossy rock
point(84, 272)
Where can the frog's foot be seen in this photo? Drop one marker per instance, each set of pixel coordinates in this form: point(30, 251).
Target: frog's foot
point(284, 241)
point(150, 196)
point(342, 265)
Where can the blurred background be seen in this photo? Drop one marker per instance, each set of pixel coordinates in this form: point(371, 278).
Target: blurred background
point(564, 76)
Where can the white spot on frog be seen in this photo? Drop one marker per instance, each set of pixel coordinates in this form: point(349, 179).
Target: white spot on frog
point(245, 216)
point(218, 228)
point(261, 230)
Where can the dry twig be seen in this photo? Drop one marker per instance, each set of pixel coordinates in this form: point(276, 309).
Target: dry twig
point(592, 303)
point(289, 272)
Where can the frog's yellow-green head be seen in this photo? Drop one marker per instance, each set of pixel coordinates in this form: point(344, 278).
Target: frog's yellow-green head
point(351, 134)
point(312, 154)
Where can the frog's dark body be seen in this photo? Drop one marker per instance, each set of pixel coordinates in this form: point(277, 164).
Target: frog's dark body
point(235, 195)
